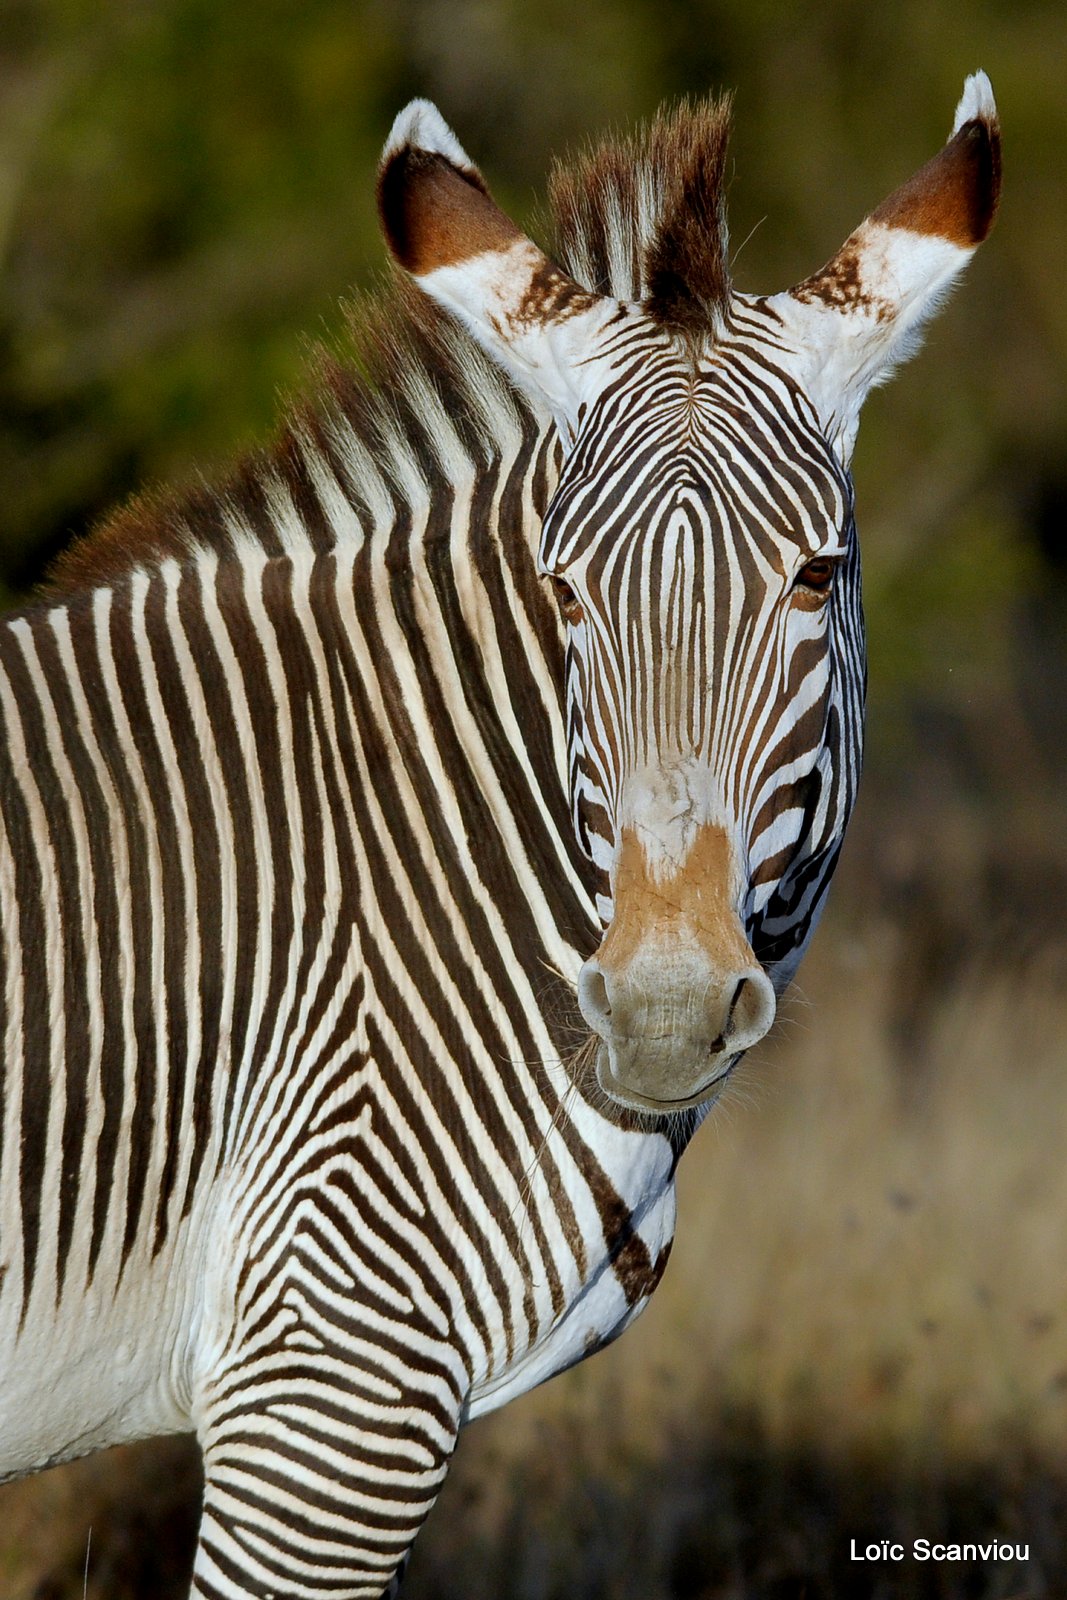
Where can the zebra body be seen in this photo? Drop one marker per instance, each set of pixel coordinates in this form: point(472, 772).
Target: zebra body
point(148, 1318)
point(332, 1116)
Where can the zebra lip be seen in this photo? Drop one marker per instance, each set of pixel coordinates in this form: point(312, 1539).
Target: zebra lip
point(632, 1098)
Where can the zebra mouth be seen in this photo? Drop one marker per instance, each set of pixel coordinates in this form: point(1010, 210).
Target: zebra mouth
point(630, 1093)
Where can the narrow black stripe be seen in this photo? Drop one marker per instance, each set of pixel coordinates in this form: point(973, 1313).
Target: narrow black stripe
point(35, 1088)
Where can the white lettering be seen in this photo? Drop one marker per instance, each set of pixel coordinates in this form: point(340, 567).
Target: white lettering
point(923, 1550)
point(885, 1550)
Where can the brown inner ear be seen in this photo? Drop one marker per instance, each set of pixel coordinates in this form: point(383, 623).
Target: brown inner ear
point(435, 214)
point(954, 196)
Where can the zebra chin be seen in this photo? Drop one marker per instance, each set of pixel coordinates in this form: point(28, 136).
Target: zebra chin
point(626, 1074)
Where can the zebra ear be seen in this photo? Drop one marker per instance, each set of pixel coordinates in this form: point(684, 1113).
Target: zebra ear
point(862, 314)
point(443, 227)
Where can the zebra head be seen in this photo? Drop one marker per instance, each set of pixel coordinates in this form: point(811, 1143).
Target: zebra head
point(700, 542)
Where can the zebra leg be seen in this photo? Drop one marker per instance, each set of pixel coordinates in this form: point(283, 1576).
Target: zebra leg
point(315, 1485)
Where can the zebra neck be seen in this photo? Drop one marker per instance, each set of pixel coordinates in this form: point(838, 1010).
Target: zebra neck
point(457, 653)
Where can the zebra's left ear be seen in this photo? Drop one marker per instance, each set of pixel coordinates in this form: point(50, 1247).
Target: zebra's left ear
point(443, 227)
point(862, 314)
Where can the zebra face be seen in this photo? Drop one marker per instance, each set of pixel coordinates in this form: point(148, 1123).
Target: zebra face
point(702, 546)
point(700, 542)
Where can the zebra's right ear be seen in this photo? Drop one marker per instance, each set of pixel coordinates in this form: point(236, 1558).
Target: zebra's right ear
point(443, 227)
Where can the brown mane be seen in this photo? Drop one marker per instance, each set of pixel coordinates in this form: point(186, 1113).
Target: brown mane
point(640, 217)
point(656, 196)
point(395, 339)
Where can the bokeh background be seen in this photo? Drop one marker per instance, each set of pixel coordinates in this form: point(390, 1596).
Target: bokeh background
point(863, 1332)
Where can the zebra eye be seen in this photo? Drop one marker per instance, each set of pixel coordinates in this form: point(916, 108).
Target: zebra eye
point(817, 574)
point(569, 602)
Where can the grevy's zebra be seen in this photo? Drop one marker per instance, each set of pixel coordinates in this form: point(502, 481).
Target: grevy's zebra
point(307, 820)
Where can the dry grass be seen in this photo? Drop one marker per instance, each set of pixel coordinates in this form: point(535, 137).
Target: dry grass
point(862, 1333)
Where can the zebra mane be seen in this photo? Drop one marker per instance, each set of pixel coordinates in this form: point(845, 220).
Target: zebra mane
point(415, 405)
point(643, 216)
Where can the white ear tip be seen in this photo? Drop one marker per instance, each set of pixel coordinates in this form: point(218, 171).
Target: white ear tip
point(421, 125)
point(976, 102)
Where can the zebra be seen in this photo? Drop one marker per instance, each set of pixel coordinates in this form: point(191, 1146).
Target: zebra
point(403, 842)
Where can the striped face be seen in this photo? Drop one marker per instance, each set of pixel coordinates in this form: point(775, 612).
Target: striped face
point(700, 544)
point(702, 549)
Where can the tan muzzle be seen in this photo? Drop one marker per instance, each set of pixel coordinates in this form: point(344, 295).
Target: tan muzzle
point(675, 991)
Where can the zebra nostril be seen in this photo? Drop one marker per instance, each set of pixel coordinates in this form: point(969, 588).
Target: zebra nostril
point(751, 1011)
point(593, 998)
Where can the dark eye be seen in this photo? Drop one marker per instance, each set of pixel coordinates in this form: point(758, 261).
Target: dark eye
point(817, 574)
point(569, 602)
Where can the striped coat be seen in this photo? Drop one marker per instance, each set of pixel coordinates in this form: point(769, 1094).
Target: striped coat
point(403, 843)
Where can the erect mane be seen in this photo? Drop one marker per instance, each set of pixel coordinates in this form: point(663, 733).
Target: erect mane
point(408, 403)
point(640, 217)
point(643, 217)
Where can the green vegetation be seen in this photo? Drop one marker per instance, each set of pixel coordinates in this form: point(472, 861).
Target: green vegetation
point(186, 191)
point(863, 1331)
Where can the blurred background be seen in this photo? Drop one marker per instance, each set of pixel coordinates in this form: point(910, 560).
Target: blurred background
point(863, 1332)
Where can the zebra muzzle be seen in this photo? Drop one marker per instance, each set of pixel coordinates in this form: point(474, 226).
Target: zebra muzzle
point(675, 992)
point(672, 1030)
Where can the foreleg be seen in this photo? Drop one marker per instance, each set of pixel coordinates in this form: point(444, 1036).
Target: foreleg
point(317, 1480)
